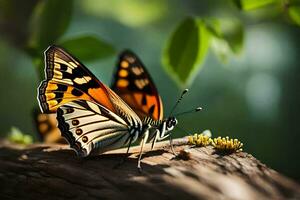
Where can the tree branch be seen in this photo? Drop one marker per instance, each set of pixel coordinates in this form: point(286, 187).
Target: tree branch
point(54, 172)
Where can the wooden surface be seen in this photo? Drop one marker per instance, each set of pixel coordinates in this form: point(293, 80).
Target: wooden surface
point(54, 172)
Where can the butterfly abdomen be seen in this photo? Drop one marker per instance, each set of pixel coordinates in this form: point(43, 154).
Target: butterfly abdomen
point(151, 122)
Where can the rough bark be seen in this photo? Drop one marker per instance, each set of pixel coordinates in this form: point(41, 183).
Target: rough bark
point(54, 172)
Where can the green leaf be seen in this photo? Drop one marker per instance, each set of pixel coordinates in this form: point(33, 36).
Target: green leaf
point(213, 26)
point(252, 4)
point(232, 31)
point(227, 37)
point(294, 13)
point(221, 48)
point(88, 48)
point(186, 50)
point(49, 21)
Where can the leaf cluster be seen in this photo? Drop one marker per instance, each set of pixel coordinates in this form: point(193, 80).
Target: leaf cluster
point(46, 23)
point(185, 51)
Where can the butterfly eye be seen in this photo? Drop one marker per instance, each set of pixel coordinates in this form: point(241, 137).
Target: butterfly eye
point(174, 122)
point(170, 123)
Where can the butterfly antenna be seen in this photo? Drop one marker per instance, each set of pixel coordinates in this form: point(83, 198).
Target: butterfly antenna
point(189, 111)
point(178, 101)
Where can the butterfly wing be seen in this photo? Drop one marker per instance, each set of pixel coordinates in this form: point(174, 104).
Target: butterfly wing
point(90, 127)
point(134, 85)
point(66, 80)
point(90, 115)
point(46, 127)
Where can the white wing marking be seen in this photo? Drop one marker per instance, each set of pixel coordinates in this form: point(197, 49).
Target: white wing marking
point(94, 127)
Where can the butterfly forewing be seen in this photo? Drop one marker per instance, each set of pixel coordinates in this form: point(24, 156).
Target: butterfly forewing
point(66, 80)
point(88, 126)
point(134, 85)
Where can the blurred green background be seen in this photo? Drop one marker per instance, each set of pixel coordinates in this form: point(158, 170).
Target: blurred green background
point(251, 94)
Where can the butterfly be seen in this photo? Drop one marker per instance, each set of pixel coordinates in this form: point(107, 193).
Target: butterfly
point(94, 118)
point(45, 125)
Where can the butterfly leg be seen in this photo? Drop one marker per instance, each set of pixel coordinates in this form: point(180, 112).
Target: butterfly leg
point(171, 146)
point(143, 142)
point(155, 139)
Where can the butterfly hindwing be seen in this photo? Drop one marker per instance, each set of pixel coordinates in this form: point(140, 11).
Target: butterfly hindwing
point(88, 126)
point(134, 85)
point(46, 126)
point(66, 80)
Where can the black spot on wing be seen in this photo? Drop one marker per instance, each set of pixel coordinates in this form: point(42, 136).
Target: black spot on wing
point(61, 87)
point(86, 86)
point(58, 96)
point(76, 72)
point(144, 100)
point(63, 67)
point(80, 73)
point(151, 110)
point(76, 92)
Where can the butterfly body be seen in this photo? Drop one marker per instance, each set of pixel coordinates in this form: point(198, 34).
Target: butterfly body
point(160, 129)
point(94, 118)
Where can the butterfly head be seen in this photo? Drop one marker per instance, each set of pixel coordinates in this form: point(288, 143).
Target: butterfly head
point(166, 126)
point(171, 122)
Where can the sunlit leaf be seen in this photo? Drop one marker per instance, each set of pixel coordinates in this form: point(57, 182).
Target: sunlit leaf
point(227, 37)
point(49, 21)
point(88, 48)
point(131, 12)
point(218, 44)
point(294, 13)
point(186, 50)
point(233, 32)
point(221, 48)
point(252, 4)
point(213, 26)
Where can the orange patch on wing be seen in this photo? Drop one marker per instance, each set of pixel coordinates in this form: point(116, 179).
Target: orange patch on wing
point(41, 117)
point(151, 100)
point(43, 128)
point(122, 83)
point(124, 64)
point(123, 73)
point(51, 86)
point(53, 104)
point(53, 136)
point(50, 95)
point(138, 97)
point(101, 96)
